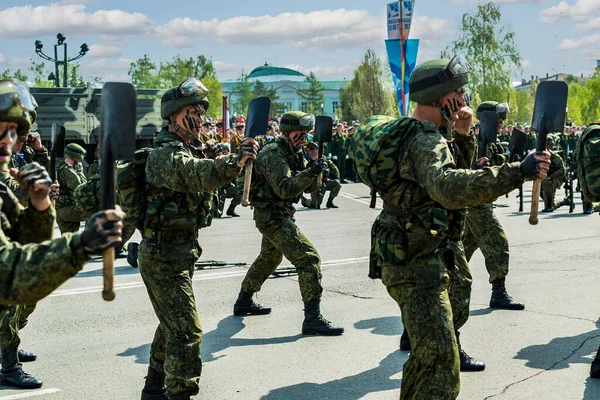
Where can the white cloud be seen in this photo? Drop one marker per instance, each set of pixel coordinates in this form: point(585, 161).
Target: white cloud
point(72, 18)
point(326, 72)
point(76, 1)
point(591, 25)
point(113, 40)
point(497, 1)
point(582, 10)
point(102, 51)
point(580, 43)
point(317, 30)
point(225, 68)
point(526, 64)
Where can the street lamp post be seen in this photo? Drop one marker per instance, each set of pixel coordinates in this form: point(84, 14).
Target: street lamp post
point(65, 62)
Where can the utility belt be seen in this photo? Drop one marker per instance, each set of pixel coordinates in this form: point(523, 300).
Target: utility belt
point(271, 203)
point(157, 236)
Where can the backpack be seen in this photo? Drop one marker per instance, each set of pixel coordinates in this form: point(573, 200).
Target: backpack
point(587, 157)
point(375, 148)
point(131, 183)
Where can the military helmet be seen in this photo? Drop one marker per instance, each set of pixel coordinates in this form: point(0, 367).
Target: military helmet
point(550, 139)
point(296, 120)
point(501, 108)
point(74, 150)
point(191, 91)
point(433, 80)
point(16, 105)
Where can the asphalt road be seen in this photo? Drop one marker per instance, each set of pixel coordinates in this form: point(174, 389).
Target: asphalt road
point(91, 349)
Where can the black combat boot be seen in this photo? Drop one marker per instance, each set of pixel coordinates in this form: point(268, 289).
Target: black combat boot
point(12, 374)
point(180, 396)
point(231, 211)
point(467, 363)
point(501, 299)
point(155, 388)
point(404, 341)
point(25, 356)
point(595, 371)
point(330, 203)
point(132, 254)
point(246, 306)
point(315, 324)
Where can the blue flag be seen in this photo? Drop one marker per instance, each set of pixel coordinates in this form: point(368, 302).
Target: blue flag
point(393, 50)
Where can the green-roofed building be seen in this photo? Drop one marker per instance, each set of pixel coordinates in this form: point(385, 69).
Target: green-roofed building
point(286, 81)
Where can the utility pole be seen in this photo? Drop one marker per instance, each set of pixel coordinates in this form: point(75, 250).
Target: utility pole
point(55, 76)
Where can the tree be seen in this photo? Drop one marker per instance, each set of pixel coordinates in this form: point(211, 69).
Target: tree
point(491, 49)
point(260, 90)
point(312, 93)
point(7, 74)
point(243, 94)
point(40, 74)
point(524, 111)
point(367, 92)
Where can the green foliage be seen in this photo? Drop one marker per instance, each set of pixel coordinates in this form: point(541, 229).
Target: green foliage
point(491, 49)
point(243, 94)
point(524, 112)
point(168, 74)
point(7, 74)
point(313, 94)
point(584, 101)
point(260, 90)
point(40, 74)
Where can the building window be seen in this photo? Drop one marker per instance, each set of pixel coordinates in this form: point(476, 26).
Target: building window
point(287, 106)
point(336, 105)
point(304, 106)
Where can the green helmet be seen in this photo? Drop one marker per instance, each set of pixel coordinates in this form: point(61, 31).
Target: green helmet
point(191, 91)
point(501, 108)
point(433, 80)
point(550, 139)
point(74, 150)
point(296, 120)
point(16, 105)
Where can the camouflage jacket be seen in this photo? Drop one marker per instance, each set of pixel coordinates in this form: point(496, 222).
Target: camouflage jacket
point(69, 178)
point(279, 178)
point(331, 172)
point(176, 180)
point(31, 271)
point(337, 147)
point(86, 196)
point(13, 185)
point(557, 168)
point(30, 155)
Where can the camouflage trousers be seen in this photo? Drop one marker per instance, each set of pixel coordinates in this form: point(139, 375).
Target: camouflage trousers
point(431, 282)
point(333, 187)
point(229, 191)
point(483, 231)
point(549, 187)
point(176, 345)
point(69, 219)
point(12, 320)
point(282, 237)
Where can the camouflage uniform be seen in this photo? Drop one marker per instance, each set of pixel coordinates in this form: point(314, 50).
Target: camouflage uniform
point(29, 155)
point(338, 152)
point(416, 247)
point(331, 183)
point(68, 217)
point(279, 179)
point(554, 181)
point(169, 249)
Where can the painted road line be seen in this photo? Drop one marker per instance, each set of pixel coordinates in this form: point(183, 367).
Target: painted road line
point(198, 277)
point(29, 394)
point(362, 200)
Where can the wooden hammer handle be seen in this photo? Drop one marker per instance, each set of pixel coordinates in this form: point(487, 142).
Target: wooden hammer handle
point(247, 181)
point(108, 272)
point(535, 202)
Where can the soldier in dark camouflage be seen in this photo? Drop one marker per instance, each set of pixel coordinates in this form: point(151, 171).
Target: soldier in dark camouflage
point(331, 184)
point(281, 174)
point(416, 238)
point(177, 182)
point(556, 177)
point(70, 174)
point(31, 271)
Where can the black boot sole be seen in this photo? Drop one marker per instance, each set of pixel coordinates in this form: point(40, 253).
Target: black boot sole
point(595, 370)
point(241, 313)
point(513, 307)
point(313, 332)
point(469, 368)
point(6, 382)
point(154, 396)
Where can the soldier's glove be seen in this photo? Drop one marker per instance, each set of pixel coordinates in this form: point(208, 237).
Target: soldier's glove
point(34, 178)
point(317, 166)
point(54, 191)
point(535, 165)
point(213, 148)
point(248, 150)
point(102, 231)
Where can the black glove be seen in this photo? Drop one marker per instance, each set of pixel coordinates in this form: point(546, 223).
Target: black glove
point(317, 166)
point(102, 231)
point(530, 166)
point(248, 151)
point(35, 179)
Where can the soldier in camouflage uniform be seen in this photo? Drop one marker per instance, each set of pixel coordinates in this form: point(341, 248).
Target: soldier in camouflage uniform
point(70, 174)
point(175, 179)
point(555, 179)
point(339, 151)
point(416, 238)
point(281, 174)
point(331, 184)
point(31, 271)
point(483, 230)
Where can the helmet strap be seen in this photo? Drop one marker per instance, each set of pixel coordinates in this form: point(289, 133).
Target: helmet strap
point(184, 132)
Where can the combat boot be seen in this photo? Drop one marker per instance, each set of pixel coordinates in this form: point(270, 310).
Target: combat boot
point(315, 324)
point(595, 370)
point(404, 341)
point(501, 299)
point(12, 373)
point(154, 388)
point(180, 396)
point(132, 254)
point(468, 363)
point(26, 356)
point(231, 211)
point(246, 306)
point(330, 203)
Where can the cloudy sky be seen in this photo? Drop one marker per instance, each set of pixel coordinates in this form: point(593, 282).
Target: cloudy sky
point(328, 37)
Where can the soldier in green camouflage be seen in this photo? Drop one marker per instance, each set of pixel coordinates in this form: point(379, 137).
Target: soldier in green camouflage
point(331, 184)
point(555, 179)
point(176, 180)
point(70, 174)
point(416, 247)
point(484, 231)
point(339, 151)
point(281, 174)
point(31, 271)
